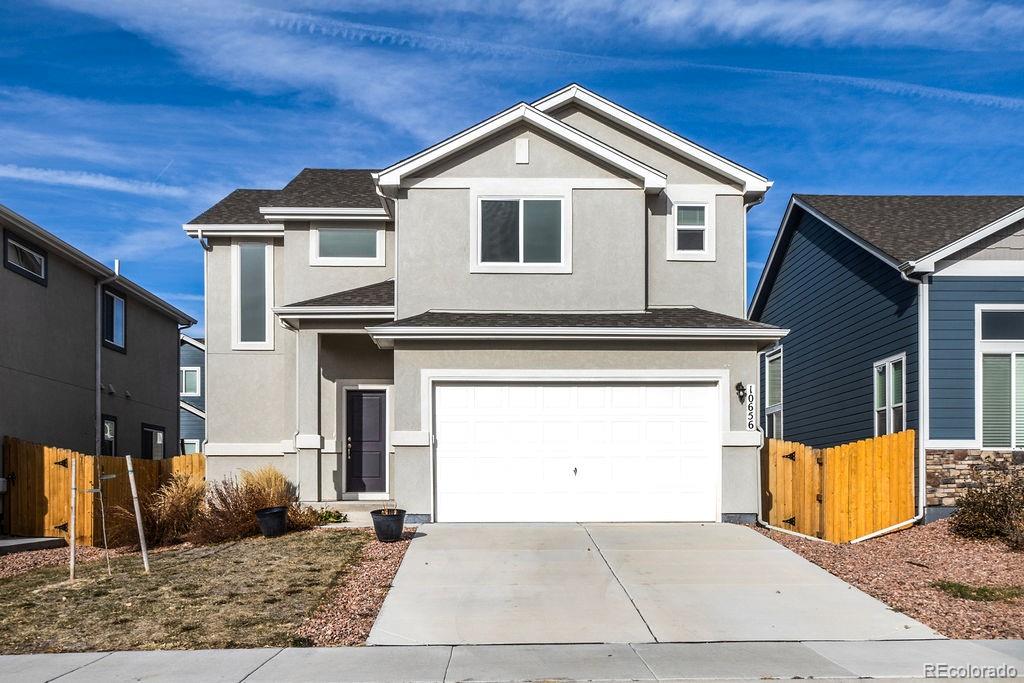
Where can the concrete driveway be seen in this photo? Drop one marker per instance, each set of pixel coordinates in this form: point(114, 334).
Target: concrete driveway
point(620, 583)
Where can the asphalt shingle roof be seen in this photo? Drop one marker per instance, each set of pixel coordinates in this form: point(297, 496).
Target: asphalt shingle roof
point(347, 188)
point(678, 318)
point(378, 294)
point(909, 227)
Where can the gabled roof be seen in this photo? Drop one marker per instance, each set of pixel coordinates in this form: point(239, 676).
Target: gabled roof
point(908, 232)
point(576, 94)
point(391, 177)
point(910, 227)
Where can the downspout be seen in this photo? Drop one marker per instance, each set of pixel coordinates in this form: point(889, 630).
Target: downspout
point(99, 351)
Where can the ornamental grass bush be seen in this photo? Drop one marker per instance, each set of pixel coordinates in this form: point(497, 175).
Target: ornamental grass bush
point(992, 511)
point(168, 514)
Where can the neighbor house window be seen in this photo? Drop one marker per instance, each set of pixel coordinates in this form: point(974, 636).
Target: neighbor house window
point(773, 394)
point(108, 438)
point(691, 234)
point(24, 258)
point(113, 320)
point(189, 446)
point(189, 382)
point(152, 442)
point(524, 234)
point(252, 281)
point(1001, 342)
point(349, 245)
point(890, 380)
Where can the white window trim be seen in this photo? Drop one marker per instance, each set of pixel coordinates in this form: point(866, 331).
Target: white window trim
point(691, 195)
point(771, 409)
point(236, 323)
point(315, 259)
point(475, 243)
point(995, 347)
point(124, 320)
point(199, 380)
point(198, 444)
point(889, 404)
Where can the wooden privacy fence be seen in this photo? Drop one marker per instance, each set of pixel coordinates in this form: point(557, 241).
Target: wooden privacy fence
point(842, 493)
point(38, 499)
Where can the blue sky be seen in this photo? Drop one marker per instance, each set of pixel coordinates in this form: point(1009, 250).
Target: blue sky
point(122, 119)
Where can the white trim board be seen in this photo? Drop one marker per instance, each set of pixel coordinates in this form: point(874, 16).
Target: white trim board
point(392, 177)
point(193, 342)
point(574, 93)
point(192, 409)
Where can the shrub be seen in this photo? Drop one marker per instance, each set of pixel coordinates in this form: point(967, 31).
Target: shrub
point(230, 510)
point(992, 511)
point(168, 514)
point(329, 516)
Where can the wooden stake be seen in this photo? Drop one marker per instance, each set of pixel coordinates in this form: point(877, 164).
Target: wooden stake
point(138, 514)
point(74, 507)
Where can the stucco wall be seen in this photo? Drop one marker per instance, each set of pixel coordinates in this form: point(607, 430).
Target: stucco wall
point(303, 281)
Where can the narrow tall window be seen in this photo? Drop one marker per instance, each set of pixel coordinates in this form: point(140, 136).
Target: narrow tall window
point(889, 391)
point(113, 320)
point(152, 442)
point(108, 441)
point(25, 258)
point(773, 394)
point(1001, 347)
point(253, 293)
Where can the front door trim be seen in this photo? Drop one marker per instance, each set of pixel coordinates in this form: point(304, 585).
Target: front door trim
point(360, 385)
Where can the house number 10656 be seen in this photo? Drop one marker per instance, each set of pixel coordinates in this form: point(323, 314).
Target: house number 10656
point(751, 410)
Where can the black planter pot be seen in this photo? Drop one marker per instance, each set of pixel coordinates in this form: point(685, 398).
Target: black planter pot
point(273, 521)
point(388, 524)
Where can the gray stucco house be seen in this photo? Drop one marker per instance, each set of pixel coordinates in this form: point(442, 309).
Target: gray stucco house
point(540, 318)
point(906, 312)
point(192, 394)
point(88, 358)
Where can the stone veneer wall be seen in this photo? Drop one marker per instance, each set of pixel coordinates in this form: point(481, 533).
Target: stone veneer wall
point(950, 473)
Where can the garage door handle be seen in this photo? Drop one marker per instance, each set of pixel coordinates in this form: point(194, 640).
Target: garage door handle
point(574, 471)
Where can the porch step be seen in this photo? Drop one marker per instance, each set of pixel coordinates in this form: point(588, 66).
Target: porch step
point(358, 511)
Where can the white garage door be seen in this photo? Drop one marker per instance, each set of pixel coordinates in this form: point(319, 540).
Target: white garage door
point(577, 452)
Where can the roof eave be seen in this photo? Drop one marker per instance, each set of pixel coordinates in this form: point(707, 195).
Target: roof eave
point(927, 263)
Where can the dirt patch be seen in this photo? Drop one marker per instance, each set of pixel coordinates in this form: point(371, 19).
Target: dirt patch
point(906, 568)
point(347, 613)
point(251, 593)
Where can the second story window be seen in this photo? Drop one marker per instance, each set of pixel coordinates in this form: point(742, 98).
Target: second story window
point(521, 234)
point(113, 320)
point(189, 384)
point(349, 245)
point(24, 258)
point(252, 285)
point(773, 394)
point(691, 231)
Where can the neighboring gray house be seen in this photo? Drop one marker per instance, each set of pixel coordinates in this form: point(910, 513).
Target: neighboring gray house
point(906, 312)
point(192, 393)
point(540, 318)
point(88, 358)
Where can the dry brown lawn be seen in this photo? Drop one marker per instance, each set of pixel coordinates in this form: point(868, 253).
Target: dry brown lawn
point(926, 571)
point(257, 592)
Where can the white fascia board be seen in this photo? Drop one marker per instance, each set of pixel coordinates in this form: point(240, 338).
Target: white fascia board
point(194, 342)
point(234, 230)
point(392, 176)
point(752, 182)
point(192, 409)
point(299, 213)
point(927, 263)
point(335, 312)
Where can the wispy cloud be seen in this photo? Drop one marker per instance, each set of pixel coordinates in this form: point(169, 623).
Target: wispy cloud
point(94, 181)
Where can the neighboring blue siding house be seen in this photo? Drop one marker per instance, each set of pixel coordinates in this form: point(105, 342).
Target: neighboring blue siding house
point(192, 394)
point(905, 312)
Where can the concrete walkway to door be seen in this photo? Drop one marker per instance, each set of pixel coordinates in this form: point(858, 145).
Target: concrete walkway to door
point(620, 583)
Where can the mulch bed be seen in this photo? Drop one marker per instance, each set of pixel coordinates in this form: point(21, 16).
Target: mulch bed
point(347, 612)
point(899, 569)
point(18, 563)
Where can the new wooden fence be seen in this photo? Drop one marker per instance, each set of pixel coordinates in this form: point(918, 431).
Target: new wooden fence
point(839, 494)
point(38, 499)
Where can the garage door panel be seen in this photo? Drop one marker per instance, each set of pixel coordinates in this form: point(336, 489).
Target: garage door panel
point(562, 452)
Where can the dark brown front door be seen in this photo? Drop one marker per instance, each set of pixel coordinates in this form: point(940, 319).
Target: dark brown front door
point(365, 442)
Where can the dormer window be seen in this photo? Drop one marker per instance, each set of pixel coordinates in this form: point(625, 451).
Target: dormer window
point(347, 245)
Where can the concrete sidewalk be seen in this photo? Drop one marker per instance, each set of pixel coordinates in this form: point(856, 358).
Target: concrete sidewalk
point(610, 662)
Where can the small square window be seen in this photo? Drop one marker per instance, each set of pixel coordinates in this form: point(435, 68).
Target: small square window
point(189, 446)
point(691, 232)
point(24, 258)
point(189, 382)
